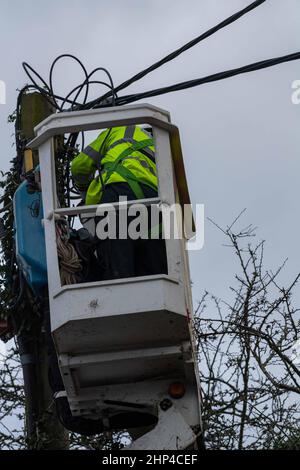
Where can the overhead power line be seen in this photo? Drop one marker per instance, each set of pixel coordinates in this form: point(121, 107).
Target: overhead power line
point(179, 51)
point(208, 79)
point(111, 98)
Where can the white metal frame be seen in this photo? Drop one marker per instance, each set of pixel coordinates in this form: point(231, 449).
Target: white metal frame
point(57, 124)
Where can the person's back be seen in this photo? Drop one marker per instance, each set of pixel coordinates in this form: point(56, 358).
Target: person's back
point(124, 158)
point(114, 150)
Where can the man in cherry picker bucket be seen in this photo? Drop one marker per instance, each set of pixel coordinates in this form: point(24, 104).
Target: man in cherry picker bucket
point(121, 162)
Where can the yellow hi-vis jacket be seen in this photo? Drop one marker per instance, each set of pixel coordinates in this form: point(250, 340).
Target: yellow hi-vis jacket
point(120, 154)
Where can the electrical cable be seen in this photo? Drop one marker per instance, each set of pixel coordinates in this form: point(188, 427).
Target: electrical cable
point(48, 91)
point(210, 78)
point(103, 101)
point(44, 91)
point(59, 103)
point(69, 261)
point(111, 97)
point(111, 86)
point(182, 49)
point(73, 57)
point(92, 82)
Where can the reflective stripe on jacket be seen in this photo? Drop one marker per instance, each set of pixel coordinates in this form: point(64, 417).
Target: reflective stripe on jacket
point(122, 154)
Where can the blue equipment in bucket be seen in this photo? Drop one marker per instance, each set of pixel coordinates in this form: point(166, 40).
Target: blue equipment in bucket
point(30, 236)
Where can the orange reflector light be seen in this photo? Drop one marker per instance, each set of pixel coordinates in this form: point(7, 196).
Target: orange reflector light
point(177, 390)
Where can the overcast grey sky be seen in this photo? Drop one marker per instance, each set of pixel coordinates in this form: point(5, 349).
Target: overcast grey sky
point(240, 137)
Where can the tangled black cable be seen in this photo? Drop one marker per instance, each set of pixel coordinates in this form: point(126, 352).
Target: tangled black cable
point(47, 90)
point(58, 102)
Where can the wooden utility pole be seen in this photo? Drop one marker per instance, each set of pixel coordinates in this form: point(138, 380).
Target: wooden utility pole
point(44, 430)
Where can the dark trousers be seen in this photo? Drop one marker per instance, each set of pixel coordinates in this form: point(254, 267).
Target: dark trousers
point(119, 258)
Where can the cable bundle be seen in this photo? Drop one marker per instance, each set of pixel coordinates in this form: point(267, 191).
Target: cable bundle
point(69, 262)
point(58, 101)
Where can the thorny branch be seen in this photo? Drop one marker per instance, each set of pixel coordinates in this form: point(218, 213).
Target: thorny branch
point(250, 378)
